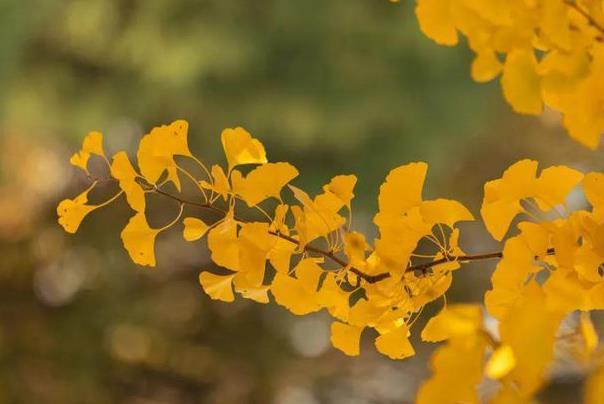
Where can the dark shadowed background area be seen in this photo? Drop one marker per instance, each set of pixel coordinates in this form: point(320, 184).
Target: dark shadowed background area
point(334, 87)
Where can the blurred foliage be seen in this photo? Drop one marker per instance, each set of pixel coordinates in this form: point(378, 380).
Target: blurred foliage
point(333, 87)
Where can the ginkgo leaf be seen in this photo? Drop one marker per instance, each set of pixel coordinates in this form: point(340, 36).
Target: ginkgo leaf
point(355, 247)
point(255, 242)
point(555, 23)
point(241, 148)
point(194, 228)
point(218, 287)
point(139, 240)
point(501, 362)
point(445, 211)
point(521, 83)
point(332, 297)
point(402, 189)
point(436, 20)
point(123, 171)
point(554, 184)
point(457, 370)
point(346, 338)
point(220, 183)
point(501, 202)
point(71, 212)
point(280, 255)
point(157, 149)
point(265, 181)
point(366, 312)
point(342, 186)
point(278, 224)
point(293, 295)
point(92, 144)
point(530, 330)
point(308, 273)
point(257, 294)
point(486, 66)
point(453, 321)
point(223, 243)
point(318, 217)
point(535, 236)
point(395, 344)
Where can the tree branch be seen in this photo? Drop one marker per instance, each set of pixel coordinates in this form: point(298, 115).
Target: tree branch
point(330, 255)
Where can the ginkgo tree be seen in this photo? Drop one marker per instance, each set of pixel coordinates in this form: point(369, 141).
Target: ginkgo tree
point(270, 240)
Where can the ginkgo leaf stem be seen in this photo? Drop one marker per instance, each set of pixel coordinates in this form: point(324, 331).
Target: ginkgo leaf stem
point(369, 278)
point(176, 219)
point(194, 180)
point(108, 201)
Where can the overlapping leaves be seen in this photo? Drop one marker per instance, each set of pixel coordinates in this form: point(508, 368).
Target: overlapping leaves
point(304, 255)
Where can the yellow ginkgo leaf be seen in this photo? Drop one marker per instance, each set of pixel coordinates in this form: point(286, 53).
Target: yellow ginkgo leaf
point(220, 183)
point(218, 287)
point(535, 236)
point(436, 20)
point(157, 149)
point(92, 144)
point(71, 212)
point(255, 242)
point(224, 245)
point(355, 247)
point(554, 184)
point(395, 344)
point(194, 228)
point(346, 337)
point(280, 255)
point(501, 362)
point(241, 148)
point(122, 170)
point(332, 297)
point(259, 295)
point(444, 211)
point(293, 295)
point(555, 23)
point(342, 186)
point(485, 66)
point(530, 330)
point(501, 202)
point(457, 370)
point(308, 273)
point(318, 217)
point(453, 321)
point(265, 181)
point(139, 240)
point(520, 82)
point(402, 189)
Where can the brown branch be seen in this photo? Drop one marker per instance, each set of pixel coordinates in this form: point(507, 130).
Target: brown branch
point(329, 254)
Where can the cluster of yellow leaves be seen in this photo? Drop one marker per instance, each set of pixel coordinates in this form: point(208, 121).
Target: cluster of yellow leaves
point(304, 255)
point(548, 271)
point(548, 52)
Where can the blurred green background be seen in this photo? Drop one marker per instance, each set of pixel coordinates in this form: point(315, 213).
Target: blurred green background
point(333, 87)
